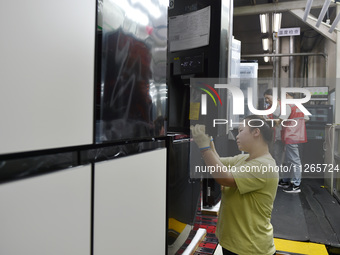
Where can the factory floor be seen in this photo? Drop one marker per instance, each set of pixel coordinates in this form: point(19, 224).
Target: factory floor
point(309, 217)
point(304, 223)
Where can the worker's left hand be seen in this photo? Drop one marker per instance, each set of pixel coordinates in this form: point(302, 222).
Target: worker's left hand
point(200, 137)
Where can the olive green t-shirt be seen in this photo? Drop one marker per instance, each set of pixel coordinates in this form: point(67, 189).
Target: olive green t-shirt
point(244, 218)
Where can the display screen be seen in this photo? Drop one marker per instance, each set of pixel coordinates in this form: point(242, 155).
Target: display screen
point(321, 114)
point(318, 93)
point(189, 65)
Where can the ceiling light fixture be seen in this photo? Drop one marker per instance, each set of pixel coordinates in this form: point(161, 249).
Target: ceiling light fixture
point(265, 44)
point(276, 22)
point(264, 23)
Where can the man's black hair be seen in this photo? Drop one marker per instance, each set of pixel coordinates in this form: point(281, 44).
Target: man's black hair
point(266, 129)
point(268, 92)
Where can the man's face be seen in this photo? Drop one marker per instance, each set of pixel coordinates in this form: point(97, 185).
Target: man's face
point(244, 138)
point(269, 99)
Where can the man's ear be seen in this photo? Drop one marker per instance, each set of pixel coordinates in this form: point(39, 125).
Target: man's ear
point(256, 132)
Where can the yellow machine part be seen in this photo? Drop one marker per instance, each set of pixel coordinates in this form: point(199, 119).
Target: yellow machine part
point(299, 247)
point(176, 225)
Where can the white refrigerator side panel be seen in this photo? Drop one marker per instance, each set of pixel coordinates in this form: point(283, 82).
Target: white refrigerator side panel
point(49, 214)
point(46, 74)
point(130, 205)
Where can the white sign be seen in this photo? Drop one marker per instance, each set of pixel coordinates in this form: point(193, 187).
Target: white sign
point(190, 30)
point(293, 31)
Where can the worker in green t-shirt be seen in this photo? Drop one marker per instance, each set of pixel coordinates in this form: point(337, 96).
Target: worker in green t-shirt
point(249, 184)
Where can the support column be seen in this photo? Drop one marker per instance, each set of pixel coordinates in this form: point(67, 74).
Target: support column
point(291, 61)
point(337, 86)
point(276, 67)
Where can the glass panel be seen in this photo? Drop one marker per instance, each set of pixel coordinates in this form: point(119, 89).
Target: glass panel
point(131, 62)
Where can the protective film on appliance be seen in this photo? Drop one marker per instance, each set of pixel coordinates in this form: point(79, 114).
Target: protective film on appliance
point(15, 169)
point(131, 88)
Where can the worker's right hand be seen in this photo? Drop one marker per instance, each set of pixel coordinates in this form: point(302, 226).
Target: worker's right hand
point(200, 137)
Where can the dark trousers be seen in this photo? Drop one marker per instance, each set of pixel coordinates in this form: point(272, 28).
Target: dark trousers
point(226, 252)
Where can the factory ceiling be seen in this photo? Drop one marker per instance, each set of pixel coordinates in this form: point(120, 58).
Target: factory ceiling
point(246, 24)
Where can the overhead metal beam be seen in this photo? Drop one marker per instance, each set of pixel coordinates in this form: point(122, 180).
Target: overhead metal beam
point(266, 67)
point(285, 55)
point(311, 21)
point(276, 7)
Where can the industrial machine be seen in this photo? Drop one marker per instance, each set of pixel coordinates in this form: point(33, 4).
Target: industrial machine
point(199, 39)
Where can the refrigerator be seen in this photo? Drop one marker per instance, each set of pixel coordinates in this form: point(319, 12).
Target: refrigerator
point(332, 159)
point(199, 46)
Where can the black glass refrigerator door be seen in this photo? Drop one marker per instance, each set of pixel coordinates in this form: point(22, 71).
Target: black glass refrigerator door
point(131, 91)
point(183, 194)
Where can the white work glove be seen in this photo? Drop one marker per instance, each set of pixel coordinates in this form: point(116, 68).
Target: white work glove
point(200, 137)
point(212, 145)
